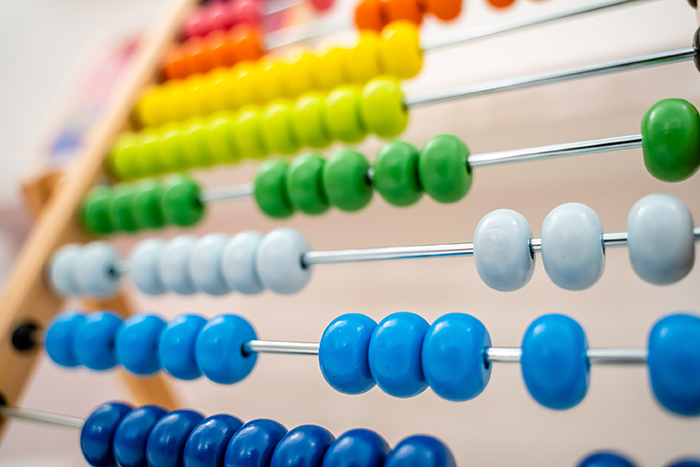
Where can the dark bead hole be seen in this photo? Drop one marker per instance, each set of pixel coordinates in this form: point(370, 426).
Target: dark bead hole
point(24, 337)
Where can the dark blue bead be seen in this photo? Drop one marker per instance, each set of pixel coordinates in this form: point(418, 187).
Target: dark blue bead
point(98, 432)
point(395, 354)
point(207, 443)
point(357, 448)
point(132, 434)
point(343, 353)
point(606, 459)
point(60, 338)
point(220, 352)
point(177, 346)
point(674, 363)
point(253, 444)
point(420, 451)
point(685, 463)
point(94, 342)
point(167, 440)
point(304, 446)
point(554, 362)
point(137, 344)
point(453, 357)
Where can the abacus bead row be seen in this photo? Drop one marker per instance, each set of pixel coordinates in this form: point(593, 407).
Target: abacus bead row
point(221, 16)
point(377, 14)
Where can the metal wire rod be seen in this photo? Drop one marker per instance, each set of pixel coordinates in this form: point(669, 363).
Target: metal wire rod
point(245, 190)
point(38, 416)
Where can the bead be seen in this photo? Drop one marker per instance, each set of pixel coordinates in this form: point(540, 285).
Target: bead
point(271, 78)
point(207, 443)
point(660, 239)
point(444, 170)
point(572, 247)
point(246, 79)
point(130, 439)
point(396, 173)
point(63, 270)
point(250, 132)
point(454, 359)
point(383, 109)
point(206, 264)
point(122, 210)
point(304, 446)
point(147, 206)
point(500, 3)
point(182, 205)
point(554, 362)
point(321, 5)
point(696, 39)
point(149, 110)
point(400, 54)
point(238, 263)
point(124, 158)
point(60, 337)
point(98, 431)
point(96, 209)
point(357, 448)
point(167, 440)
point(329, 68)
point(175, 265)
point(395, 354)
point(220, 349)
point(299, 73)
point(406, 10)
point(684, 462)
point(446, 10)
point(310, 124)
point(223, 139)
point(368, 15)
point(674, 363)
point(343, 114)
point(151, 161)
point(671, 140)
point(247, 43)
point(97, 270)
point(420, 451)
point(305, 184)
point(145, 266)
point(346, 180)
point(176, 347)
point(137, 344)
point(270, 189)
point(364, 58)
point(502, 253)
point(196, 145)
point(254, 443)
point(605, 459)
point(172, 148)
point(343, 353)
point(94, 342)
point(278, 128)
point(279, 261)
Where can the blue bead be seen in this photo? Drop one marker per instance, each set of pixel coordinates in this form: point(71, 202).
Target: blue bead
point(94, 342)
point(420, 451)
point(554, 362)
point(395, 354)
point(98, 432)
point(137, 344)
point(343, 353)
point(357, 448)
point(606, 459)
point(685, 463)
point(207, 443)
point(132, 433)
point(60, 338)
point(177, 346)
point(167, 440)
point(304, 446)
point(220, 352)
point(453, 357)
point(254, 443)
point(674, 363)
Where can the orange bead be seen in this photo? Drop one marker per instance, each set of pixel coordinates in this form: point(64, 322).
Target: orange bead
point(446, 10)
point(176, 64)
point(201, 58)
point(501, 3)
point(247, 42)
point(222, 48)
point(409, 10)
point(369, 14)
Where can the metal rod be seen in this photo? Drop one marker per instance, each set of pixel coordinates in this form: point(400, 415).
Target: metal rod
point(295, 348)
point(245, 190)
point(302, 32)
point(46, 418)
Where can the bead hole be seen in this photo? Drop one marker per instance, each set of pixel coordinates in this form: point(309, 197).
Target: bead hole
point(487, 362)
point(24, 337)
point(245, 351)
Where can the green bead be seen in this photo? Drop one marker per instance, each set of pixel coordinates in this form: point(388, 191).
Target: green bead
point(172, 149)
point(443, 168)
point(383, 109)
point(125, 157)
point(396, 173)
point(671, 140)
point(96, 209)
point(181, 201)
point(196, 145)
point(344, 116)
point(310, 122)
point(151, 159)
point(250, 132)
point(278, 128)
point(148, 209)
point(123, 211)
point(345, 180)
point(271, 190)
point(223, 139)
point(305, 184)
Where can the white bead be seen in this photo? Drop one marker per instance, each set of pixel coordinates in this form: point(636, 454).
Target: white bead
point(205, 264)
point(502, 251)
point(145, 266)
point(660, 239)
point(97, 270)
point(572, 246)
point(279, 261)
point(239, 263)
point(62, 270)
point(175, 265)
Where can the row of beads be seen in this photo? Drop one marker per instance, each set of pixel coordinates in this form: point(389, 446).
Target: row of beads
point(117, 434)
point(377, 14)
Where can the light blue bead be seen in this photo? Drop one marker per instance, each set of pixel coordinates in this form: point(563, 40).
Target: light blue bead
point(220, 352)
point(97, 270)
point(454, 357)
point(130, 439)
point(420, 451)
point(279, 261)
point(343, 353)
point(94, 344)
point(60, 338)
point(606, 459)
point(206, 445)
point(554, 362)
point(137, 344)
point(239, 263)
point(572, 246)
point(98, 432)
point(660, 239)
point(168, 437)
point(177, 346)
point(304, 446)
point(205, 264)
point(145, 266)
point(63, 270)
point(395, 354)
point(674, 363)
point(357, 448)
point(175, 265)
point(254, 443)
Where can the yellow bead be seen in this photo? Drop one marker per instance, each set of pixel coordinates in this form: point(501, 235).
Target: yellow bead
point(223, 138)
point(247, 80)
point(383, 109)
point(344, 117)
point(330, 68)
point(278, 129)
point(272, 75)
point(399, 50)
point(311, 122)
point(125, 157)
point(363, 59)
point(196, 92)
point(214, 93)
point(251, 141)
point(151, 108)
point(176, 101)
point(299, 69)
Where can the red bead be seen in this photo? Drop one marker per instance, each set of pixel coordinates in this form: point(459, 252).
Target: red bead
point(321, 5)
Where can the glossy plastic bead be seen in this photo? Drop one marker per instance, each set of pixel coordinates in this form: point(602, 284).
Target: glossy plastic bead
point(420, 451)
point(220, 352)
point(206, 445)
point(446, 10)
point(96, 209)
point(343, 114)
point(399, 50)
point(137, 344)
point(396, 173)
point(383, 108)
point(444, 170)
point(278, 128)
point(168, 437)
point(124, 158)
point(674, 363)
point(406, 10)
point(660, 239)
point(63, 267)
point(279, 261)
point(171, 148)
point(94, 344)
point(554, 363)
point(369, 15)
point(671, 140)
point(364, 57)
point(346, 180)
point(299, 73)
point(145, 266)
point(343, 353)
point(500, 3)
point(151, 160)
point(305, 184)
point(572, 246)
point(98, 431)
point(60, 337)
point(395, 354)
point(181, 201)
point(254, 443)
point(175, 265)
point(148, 209)
point(502, 253)
point(122, 210)
point(453, 357)
point(304, 446)
point(250, 132)
point(310, 121)
point(97, 270)
point(605, 459)
point(196, 144)
point(329, 68)
point(206, 264)
point(176, 347)
point(270, 190)
point(684, 462)
point(223, 139)
point(238, 263)
point(357, 448)
point(132, 434)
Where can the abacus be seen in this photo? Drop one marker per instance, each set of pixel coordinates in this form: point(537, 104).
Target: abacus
point(226, 102)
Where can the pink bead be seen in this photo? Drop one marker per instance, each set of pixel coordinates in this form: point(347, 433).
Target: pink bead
point(321, 5)
point(222, 16)
point(248, 12)
point(198, 24)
